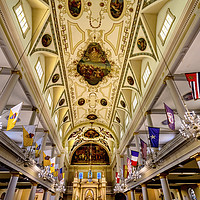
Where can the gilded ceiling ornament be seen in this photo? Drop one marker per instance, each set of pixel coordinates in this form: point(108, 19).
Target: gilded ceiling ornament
point(130, 80)
point(103, 102)
point(92, 117)
point(91, 133)
point(61, 102)
point(118, 120)
point(122, 103)
point(81, 101)
point(94, 65)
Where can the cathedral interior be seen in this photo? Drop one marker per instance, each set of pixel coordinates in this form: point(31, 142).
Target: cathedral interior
point(99, 100)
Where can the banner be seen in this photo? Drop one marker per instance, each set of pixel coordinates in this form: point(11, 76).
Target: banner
point(28, 134)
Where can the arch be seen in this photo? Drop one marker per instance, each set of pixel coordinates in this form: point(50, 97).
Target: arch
point(120, 196)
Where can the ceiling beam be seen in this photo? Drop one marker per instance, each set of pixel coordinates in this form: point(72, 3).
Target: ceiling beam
point(161, 132)
point(24, 107)
point(162, 111)
point(21, 129)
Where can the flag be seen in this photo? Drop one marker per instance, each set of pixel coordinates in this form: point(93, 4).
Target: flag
point(14, 113)
point(28, 134)
point(170, 117)
point(38, 146)
point(134, 157)
point(154, 136)
point(143, 149)
point(46, 160)
point(129, 165)
point(60, 174)
point(125, 171)
point(194, 82)
point(117, 177)
point(52, 166)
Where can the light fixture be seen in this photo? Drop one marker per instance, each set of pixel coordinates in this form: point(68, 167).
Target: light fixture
point(190, 125)
point(46, 175)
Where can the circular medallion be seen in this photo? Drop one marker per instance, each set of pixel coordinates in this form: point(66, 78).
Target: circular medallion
point(91, 133)
point(55, 78)
point(142, 44)
point(65, 119)
point(91, 117)
point(130, 80)
point(81, 101)
point(101, 4)
point(123, 104)
point(59, 6)
point(46, 40)
point(118, 120)
point(74, 7)
point(103, 102)
point(89, 3)
point(188, 96)
point(61, 102)
point(131, 9)
point(116, 8)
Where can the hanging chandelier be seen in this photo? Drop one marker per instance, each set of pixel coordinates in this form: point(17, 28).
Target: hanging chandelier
point(190, 125)
point(118, 188)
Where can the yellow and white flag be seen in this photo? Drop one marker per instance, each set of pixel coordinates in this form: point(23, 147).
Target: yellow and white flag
point(28, 134)
point(38, 146)
point(52, 166)
point(14, 113)
point(46, 160)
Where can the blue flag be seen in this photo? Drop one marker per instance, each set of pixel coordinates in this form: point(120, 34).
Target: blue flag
point(154, 136)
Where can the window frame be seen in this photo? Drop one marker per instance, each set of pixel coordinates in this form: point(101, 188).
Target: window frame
point(49, 94)
point(173, 19)
point(147, 66)
point(40, 80)
point(21, 28)
point(135, 97)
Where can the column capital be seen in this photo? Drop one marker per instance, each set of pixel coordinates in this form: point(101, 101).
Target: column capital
point(35, 109)
point(127, 146)
point(163, 175)
point(15, 174)
point(46, 131)
point(17, 72)
point(34, 183)
point(148, 112)
point(168, 78)
point(197, 158)
point(143, 185)
point(121, 156)
point(53, 194)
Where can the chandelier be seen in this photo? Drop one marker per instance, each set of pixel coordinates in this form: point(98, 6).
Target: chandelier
point(118, 188)
point(59, 188)
point(46, 175)
point(190, 125)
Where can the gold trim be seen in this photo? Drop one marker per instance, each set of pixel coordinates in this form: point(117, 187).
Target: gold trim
point(115, 25)
point(73, 48)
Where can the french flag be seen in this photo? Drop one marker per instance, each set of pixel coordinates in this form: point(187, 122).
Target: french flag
point(134, 157)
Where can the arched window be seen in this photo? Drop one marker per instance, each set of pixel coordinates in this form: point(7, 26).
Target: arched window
point(192, 194)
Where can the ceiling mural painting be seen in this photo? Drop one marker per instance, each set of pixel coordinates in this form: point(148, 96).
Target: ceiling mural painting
point(94, 65)
point(91, 133)
point(90, 154)
point(75, 7)
point(116, 8)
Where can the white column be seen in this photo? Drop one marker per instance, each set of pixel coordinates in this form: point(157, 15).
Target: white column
point(53, 150)
point(118, 162)
point(149, 120)
point(62, 159)
point(165, 187)
point(138, 148)
point(33, 116)
point(176, 97)
point(46, 195)
point(7, 91)
point(144, 192)
point(43, 146)
point(53, 196)
point(33, 191)
point(132, 195)
point(11, 187)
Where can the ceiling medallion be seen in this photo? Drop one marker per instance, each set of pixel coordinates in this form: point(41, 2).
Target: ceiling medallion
point(94, 65)
point(130, 80)
point(89, 3)
point(91, 133)
point(91, 117)
point(116, 8)
point(61, 102)
point(101, 4)
point(55, 78)
point(74, 7)
point(123, 104)
point(81, 101)
point(103, 102)
point(46, 40)
point(142, 44)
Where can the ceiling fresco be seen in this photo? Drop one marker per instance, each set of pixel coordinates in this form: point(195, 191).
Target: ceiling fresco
point(93, 52)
